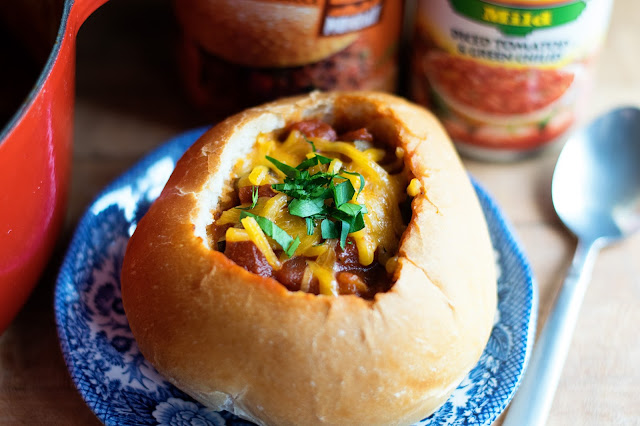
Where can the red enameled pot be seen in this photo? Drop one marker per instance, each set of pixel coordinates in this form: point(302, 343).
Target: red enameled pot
point(35, 160)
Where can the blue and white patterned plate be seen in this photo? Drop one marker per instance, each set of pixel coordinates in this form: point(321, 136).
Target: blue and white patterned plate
point(121, 387)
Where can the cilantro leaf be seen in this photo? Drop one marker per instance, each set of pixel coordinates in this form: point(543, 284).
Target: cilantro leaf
point(313, 161)
point(287, 186)
point(292, 248)
point(329, 229)
point(358, 222)
point(310, 225)
point(351, 214)
point(307, 207)
point(340, 215)
point(321, 192)
point(356, 174)
point(352, 209)
point(309, 162)
point(323, 160)
point(289, 171)
point(321, 197)
point(344, 232)
point(310, 142)
point(343, 192)
point(272, 230)
point(254, 199)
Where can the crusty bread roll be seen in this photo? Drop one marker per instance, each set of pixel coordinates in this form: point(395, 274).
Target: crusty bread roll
point(259, 33)
point(244, 343)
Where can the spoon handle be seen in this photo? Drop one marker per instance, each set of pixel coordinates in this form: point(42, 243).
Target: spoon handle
point(532, 402)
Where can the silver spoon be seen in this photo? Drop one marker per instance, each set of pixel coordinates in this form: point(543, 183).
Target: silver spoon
point(596, 193)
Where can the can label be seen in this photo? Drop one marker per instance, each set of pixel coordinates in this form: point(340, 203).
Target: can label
point(345, 16)
point(238, 53)
point(506, 75)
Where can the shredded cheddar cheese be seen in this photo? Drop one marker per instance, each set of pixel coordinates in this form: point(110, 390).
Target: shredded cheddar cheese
point(315, 251)
point(260, 240)
point(326, 278)
point(305, 285)
point(258, 175)
point(381, 195)
point(334, 166)
point(237, 235)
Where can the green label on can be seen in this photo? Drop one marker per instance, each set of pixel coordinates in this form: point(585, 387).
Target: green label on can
point(518, 21)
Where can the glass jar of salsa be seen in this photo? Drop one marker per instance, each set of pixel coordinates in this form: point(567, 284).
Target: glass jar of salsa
point(506, 78)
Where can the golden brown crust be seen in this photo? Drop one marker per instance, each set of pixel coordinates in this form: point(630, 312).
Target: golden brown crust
point(241, 342)
point(258, 33)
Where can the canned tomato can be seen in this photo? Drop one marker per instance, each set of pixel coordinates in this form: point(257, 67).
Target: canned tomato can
point(237, 53)
point(506, 78)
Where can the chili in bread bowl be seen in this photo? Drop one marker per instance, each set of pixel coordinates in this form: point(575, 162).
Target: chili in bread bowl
point(245, 342)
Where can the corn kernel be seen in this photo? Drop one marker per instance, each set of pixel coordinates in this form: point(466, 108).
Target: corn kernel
point(414, 187)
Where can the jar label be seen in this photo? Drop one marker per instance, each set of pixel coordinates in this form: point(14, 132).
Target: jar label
point(345, 16)
point(238, 53)
point(506, 74)
point(517, 21)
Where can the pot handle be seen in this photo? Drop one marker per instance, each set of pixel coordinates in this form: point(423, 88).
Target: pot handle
point(81, 10)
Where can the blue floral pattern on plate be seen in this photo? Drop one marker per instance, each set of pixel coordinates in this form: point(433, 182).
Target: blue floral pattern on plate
point(121, 387)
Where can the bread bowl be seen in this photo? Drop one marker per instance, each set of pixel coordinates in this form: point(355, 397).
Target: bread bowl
point(239, 341)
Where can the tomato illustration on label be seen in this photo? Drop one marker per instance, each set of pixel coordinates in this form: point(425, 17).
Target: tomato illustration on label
point(506, 77)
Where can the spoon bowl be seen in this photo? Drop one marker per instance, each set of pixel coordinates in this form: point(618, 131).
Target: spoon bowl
point(596, 182)
point(596, 193)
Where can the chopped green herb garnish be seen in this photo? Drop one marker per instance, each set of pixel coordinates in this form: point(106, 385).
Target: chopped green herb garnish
point(344, 231)
point(254, 199)
point(313, 161)
point(322, 197)
point(343, 192)
point(329, 229)
point(307, 207)
point(352, 209)
point(272, 230)
point(361, 179)
point(289, 171)
point(311, 225)
point(292, 248)
point(310, 142)
point(358, 222)
point(355, 221)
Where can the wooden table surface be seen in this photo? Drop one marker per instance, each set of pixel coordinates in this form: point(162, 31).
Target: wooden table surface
point(129, 100)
